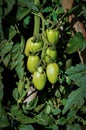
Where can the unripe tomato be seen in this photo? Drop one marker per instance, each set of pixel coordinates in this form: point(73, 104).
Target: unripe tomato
point(39, 78)
point(32, 63)
point(52, 36)
point(52, 72)
point(32, 47)
point(52, 53)
point(47, 59)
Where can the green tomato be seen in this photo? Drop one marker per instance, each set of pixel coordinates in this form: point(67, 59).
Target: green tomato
point(52, 36)
point(47, 59)
point(52, 72)
point(32, 63)
point(32, 47)
point(39, 78)
point(52, 53)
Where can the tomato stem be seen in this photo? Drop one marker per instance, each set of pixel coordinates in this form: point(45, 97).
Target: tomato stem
point(36, 20)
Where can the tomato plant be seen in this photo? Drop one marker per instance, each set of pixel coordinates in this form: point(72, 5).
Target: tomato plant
point(42, 65)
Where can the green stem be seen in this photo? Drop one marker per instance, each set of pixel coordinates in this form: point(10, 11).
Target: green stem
point(36, 21)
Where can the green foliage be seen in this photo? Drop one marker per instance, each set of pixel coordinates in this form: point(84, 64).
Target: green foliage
point(21, 13)
point(9, 5)
point(74, 127)
point(77, 42)
point(77, 74)
point(75, 99)
point(1, 84)
point(29, 4)
point(25, 127)
point(3, 118)
point(83, 12)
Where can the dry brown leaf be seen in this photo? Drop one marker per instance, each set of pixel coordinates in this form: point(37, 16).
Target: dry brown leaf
point(67, 4)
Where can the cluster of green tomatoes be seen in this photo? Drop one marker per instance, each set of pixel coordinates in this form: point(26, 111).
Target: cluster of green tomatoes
point(42, 57)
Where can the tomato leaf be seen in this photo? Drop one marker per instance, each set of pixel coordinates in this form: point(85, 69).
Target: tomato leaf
point(6, 59)
point(75, 43)
point(32, 104)
point(43, 119)
point(73, 127)
point(21, 13)
point(26, 20)
point(29, 4)
point(15, 94)
point(10, 4)
point(5, 48)
point(19, 116)
point(53, 127)
point(5, 53)
point(18, 58)
point(12, 32)
point(77, 74)
point(26, 127)
point(75, 98)
point(61, 121)
point(1, 85)
point(54, 16)
point(3, 118)
point(48, 9)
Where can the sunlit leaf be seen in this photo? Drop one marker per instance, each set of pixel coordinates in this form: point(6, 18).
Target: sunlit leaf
point(53, 127)
point(43, 119)
point(20, 117)
point(75, 43)
point(54, 16)
point(29, 4)
point(26, 127)
point(48, 9)
point(5, 48)
point(56, 111)
point(77, 74)
point(32, 104)
point(73, 127)
point(18, 58)
point(26, 20)
point(22, 12)
point(75, 99)
point(6, 59)
point(15, 94)
point(12, 32)
point(61, 121)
